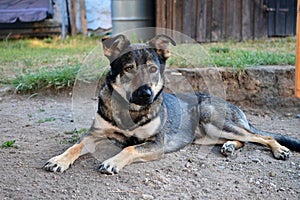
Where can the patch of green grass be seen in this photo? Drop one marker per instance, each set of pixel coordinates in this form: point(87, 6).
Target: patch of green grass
point(239, 59)
point(50, 119)
point(56, 78)
point(76, 134)
point(272, 51)
point(9, 144)
point(237, 55)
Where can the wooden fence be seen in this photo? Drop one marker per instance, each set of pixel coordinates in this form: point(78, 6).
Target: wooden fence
point(214, 20)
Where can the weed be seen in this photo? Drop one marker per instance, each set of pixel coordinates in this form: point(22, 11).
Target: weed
point(50, 119)
point(9, 144)
point(219, 50)
point(76, 134)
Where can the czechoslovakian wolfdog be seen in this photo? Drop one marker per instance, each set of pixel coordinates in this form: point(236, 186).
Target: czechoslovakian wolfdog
point(137, 115)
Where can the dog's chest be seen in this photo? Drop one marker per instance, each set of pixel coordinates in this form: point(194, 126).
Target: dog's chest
point(141, 132)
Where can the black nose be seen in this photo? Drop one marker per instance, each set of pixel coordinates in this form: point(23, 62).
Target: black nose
point(144, 91)
point(142, 96)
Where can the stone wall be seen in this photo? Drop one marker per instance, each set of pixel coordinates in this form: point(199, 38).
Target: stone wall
point(263, 87)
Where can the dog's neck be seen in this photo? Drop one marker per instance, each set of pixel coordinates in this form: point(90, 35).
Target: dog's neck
point(128, 116)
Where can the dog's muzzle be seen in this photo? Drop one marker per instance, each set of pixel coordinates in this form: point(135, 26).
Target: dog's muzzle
point(142, 96)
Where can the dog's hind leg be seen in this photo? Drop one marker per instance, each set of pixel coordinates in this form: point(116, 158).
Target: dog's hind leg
point(232, 132)
point(63, 161)
point(230, 146)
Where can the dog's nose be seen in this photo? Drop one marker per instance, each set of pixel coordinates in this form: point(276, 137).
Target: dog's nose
point(144, 91)
point(142, 96)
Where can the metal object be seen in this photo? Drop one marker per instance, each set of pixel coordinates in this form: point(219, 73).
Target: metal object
point(130, 14)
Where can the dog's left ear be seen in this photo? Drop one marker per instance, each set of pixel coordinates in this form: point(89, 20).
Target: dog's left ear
point(113, 47)
point(162, 45)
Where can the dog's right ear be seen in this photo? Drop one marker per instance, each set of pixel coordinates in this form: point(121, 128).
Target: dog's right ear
point(113, 47)
point(162, 45)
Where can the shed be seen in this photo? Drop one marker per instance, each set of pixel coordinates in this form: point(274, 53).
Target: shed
point(220, 20)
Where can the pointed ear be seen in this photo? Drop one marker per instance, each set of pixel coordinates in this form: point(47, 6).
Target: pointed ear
point(162, 45)
point(113, 47)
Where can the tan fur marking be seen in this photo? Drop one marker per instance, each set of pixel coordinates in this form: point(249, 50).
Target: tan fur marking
point(237, 144)
point(75, 150)
point(131, 150)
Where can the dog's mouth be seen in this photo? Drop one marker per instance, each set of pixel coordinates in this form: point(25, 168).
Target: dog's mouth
point(142, 96)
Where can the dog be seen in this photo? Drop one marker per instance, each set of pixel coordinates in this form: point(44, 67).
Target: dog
point(136, 114)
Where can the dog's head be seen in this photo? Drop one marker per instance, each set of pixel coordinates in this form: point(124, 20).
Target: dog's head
point(136, 72)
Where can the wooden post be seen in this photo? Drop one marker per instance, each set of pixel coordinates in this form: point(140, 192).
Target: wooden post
point(63, 20)
point(73, 17)
point(83, 17)
point(297, 73)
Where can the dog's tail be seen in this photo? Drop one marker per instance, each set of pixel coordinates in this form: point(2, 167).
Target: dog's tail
point(287, 141)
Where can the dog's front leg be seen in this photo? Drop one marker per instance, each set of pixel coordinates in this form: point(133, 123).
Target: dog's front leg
point(151, 150)
point(63, 161)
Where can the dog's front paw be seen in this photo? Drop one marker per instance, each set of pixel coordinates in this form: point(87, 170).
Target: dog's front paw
point(109, 167)
point(281, 153)
point(57, 164)
point(228, 149)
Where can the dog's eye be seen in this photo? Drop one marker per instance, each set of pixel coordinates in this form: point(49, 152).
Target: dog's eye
point(128, 68)
point(152, 69)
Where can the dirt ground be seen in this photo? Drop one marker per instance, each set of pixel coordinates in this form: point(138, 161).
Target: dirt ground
point(195, 172)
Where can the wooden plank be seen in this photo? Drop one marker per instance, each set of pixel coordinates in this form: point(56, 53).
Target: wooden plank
point(159, 13)
point(188, 17)
point(201, 20)
point(260, 20)
point(247, 20)
point(233, 20)
point(208, 20)
point(189, 21)
point(178, 18)
point(297, 73)
point(73, 17)
point(229, 19)
point(280, 18)
point(168, 14)
point(218, 21)
point(83, 17)
point(271, 4)
point(291, 18)
point(30, 29)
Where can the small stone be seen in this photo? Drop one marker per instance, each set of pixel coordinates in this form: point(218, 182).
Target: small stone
point(147, 196)
point(251, 180)
point(297, 116)
point(273, 185)
point(272, 174)
point(281, 189)
point(221, 167)
point(187, 165)
point(206, 190)
point(288, 114)
point(256, 160)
